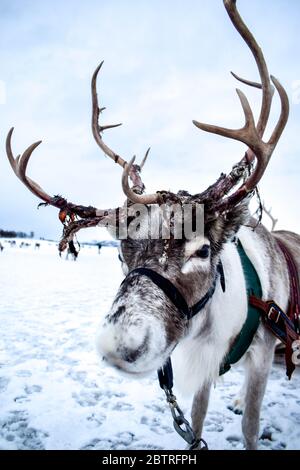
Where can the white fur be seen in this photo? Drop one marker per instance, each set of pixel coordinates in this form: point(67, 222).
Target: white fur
point(197, 359)
point(254, 249)
point(194, 263)
point(194, 245)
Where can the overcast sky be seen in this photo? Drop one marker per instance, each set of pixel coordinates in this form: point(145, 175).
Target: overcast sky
point(166, 63)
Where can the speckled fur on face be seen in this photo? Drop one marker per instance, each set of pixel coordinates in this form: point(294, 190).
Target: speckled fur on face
point(143, 323)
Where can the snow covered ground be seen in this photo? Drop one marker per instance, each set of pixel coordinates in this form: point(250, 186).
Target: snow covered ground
point(56, 394)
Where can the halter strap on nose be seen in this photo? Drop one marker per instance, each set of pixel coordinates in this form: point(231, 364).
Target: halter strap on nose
point(171, 291)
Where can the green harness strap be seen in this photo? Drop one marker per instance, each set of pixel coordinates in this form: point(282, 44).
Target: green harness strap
point(251, 324)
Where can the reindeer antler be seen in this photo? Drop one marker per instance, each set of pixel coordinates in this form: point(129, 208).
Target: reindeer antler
point(91, 216)
point(98, 129)
point(251, 134)
point(19, 166)
point(130, 170)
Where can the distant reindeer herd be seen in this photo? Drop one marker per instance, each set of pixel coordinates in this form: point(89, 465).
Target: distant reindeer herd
point(72, 252)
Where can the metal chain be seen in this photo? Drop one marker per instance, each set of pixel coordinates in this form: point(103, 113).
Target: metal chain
point(181, 424)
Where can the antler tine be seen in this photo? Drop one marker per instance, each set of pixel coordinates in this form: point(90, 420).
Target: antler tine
point(263, 154)
point(98, 129)
point(284, 115)
point(266, 150)
point(246, 82)
point(248, 37)
point(133, 196)
point(19, 166)
point(246, 134)
point(145, 158)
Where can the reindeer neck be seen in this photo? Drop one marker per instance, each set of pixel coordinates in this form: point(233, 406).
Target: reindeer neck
point(227, 310)
point(213, 330)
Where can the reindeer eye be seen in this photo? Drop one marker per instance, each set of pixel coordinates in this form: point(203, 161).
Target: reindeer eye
point(203, 252)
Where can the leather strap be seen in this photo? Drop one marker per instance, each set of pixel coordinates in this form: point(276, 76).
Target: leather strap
point(294, 304)
point(276, 318)
point(166, 286)
point(293, 309)
point(171, 291)
point(284, 326)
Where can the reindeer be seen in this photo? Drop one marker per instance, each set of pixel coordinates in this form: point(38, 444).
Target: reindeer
point(144, 326)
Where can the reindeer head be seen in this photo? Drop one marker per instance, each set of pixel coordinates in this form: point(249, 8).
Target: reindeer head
point(145, 323)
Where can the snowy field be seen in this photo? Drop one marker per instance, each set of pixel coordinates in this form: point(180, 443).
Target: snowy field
point(56, 394)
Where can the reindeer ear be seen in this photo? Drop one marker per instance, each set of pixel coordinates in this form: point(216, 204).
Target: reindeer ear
point(222, 227)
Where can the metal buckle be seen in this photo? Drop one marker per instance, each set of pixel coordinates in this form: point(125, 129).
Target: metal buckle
point(275, 309)
point(296, 352)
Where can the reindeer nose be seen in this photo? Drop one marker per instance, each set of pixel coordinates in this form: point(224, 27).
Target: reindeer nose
point(122, 356)
point(122, 352)
point(113, 360)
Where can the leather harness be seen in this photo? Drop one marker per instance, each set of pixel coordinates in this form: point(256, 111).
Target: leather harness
point(285, 326)
point(251, 324)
